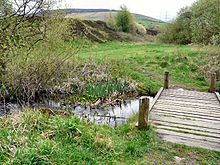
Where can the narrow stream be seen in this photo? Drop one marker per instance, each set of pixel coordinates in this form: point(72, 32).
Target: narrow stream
point(109, 115)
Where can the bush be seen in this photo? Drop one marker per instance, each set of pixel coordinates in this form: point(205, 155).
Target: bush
point(124, 19)
point(29, 73)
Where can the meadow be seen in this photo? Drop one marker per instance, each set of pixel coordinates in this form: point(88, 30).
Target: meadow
point(145, 63)
point(83, 71)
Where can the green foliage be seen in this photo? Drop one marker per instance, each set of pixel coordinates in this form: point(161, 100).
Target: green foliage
point(199, 23)
point(105, 89)
point(35, 138)
point(124, 19)
point(179, 31)
point(5, 7)
point(40, 69)
point(205, 23)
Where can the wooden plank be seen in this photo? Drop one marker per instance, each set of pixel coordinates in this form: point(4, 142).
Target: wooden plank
point(185, 105)
point(187, 95)
point(218, 96)
point(187, 117)
point(156, 98)
point(190, 97)
point(215, 102)
point(191, 114)
point(187, 109)
point(182, 103)
point(188, 92)
point(189, 136)
point(190, 142)
point(188, 127)
point(179, 93)
point(155, 117)
point(187, 131)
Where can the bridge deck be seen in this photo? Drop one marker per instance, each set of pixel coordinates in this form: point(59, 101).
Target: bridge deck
point(188, 117)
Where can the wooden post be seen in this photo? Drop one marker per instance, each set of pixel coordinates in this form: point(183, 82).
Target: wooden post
point(212, 87)
point(166, 80)
point(144, 106)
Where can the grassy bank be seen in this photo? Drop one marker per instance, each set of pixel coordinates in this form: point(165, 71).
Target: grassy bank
point(145, 63)
point(35, 138)
point(120, 67)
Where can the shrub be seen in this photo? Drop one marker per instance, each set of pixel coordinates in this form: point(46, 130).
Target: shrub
point(124, 19)
point(40, 69)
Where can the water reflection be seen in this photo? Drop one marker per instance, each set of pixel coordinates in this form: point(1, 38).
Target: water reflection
point(109, 115)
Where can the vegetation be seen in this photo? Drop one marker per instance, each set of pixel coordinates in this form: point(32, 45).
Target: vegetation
point(196, 24)
point(124, 19)
point(152, 24)
point(75, 63)
point(145, 63)
point(35, 138)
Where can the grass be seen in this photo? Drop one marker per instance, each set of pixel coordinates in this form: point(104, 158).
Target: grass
point(35, 138)
point(146, 63)
point(152, 24)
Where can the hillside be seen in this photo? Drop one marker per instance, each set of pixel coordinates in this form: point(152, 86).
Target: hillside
point(102, 14)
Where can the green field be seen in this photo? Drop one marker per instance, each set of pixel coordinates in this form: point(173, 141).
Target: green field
point(152, 24)
point(145, 63)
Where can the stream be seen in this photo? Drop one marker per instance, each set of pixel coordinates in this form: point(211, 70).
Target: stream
point(112, 116)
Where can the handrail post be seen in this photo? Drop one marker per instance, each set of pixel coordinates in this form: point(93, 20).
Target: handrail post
point(144, 110)
point(212, 87)
point(166, 80)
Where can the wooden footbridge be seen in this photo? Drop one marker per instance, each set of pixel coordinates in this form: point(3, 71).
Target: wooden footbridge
point(184, 117)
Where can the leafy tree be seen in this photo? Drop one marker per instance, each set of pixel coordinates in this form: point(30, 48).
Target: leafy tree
point(199, 23)
point(124, 19)
point(205, 22)
point(179, 31)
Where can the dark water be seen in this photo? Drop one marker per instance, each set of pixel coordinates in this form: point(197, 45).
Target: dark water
point(109, 115)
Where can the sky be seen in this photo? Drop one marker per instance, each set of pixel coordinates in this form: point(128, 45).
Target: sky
point(161, 9)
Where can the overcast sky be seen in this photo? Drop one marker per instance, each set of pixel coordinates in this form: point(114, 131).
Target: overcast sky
point(161, 9)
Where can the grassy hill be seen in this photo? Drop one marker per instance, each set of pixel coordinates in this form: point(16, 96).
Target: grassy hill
point(102, 14)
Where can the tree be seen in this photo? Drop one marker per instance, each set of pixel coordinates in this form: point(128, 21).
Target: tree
point(124, 19)
point(179, 31)
point(205, 22)
point(199, 23)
